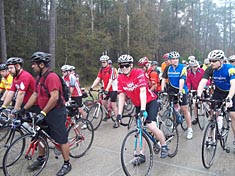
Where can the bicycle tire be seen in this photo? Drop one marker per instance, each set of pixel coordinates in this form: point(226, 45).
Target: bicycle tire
point(80, 139)
point(209, 144)
point(184, 125)
point(127, 154)
point(7, 136)
point(128, 105)
point(171, 134)
point(21, 162)
point(201, 116)
point(95, 115)
point(224, 131)
point(191, 107)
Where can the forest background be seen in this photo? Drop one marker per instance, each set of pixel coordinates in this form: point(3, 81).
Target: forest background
point(78, 32)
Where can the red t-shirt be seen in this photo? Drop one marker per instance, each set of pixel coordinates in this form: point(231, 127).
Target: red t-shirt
point(153, 79)
point(52, 83)
point(72, 81)
point(131, 86)
point(105, 74)
point(23, 82)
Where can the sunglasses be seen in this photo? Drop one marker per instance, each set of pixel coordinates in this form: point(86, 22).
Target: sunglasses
point(213, 60)
point(232, 61)
point(125, 65)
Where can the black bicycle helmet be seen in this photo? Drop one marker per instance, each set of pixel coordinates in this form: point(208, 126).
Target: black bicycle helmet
point(14, 61)
point(41, 57)
point(3, 67)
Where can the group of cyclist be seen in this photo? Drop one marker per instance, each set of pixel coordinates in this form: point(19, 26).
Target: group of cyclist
point(44, 95)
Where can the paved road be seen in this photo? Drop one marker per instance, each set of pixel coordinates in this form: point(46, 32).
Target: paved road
point(103, 159)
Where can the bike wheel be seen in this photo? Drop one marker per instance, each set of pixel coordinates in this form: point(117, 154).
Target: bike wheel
point(171, 134)
point(224, 131)
point(201, 115)
point(184, 125)
point(80, 139)
point(7, 136)
point(209, 144)
point(128, 105)
point(191, 107)
point(130, 148)
point(16, 160)
point(95, 115)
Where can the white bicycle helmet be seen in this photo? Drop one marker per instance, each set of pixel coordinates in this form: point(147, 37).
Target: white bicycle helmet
point(206, 61)
point(72, 67)
point(125, 58)
point(231, 58)
point(193, 63)
point(104, 58)
point(191, 58)
point(216, 55)
point(65, 67)
point(174, 54)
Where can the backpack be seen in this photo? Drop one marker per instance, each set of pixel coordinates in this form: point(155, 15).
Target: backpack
point(65, 88)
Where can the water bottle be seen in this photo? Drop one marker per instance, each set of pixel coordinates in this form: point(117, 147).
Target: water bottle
point(179, 118)
point(220, 122)
point(28, 127)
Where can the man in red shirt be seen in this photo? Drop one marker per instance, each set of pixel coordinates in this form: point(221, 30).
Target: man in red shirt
point(74, 87)
point(22, 85)
point(133, 84)
point(151, 75)
point(48, 93)
point(108, 75)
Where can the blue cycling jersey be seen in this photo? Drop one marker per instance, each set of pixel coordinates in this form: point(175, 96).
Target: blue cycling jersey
point(221, 77)
point(175, 74)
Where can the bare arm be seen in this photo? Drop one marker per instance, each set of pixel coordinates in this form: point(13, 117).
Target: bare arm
point(8, 98)
point(201, 86)
point(181, 85)
point(31, 101)
point(232, 89)
point(121, 101)
point(19, 99)
point(96, 82)
point(54, 97)
point(143, 98)
point(163, 83)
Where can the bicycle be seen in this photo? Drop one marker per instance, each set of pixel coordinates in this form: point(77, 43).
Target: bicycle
point(191, 98)
point(172, 113)
point(98, 111)
point(203, 110)
point(133, 142)
point(212, 132)
point(9, 131)
point(21, 153)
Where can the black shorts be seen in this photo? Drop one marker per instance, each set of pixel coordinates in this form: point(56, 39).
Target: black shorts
point(55, 120)
point(112, 95)
point(152, 110)
point(78, 100)
point(219, 95)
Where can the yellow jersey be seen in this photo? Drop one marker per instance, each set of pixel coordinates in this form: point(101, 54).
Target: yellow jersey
point(6, 82)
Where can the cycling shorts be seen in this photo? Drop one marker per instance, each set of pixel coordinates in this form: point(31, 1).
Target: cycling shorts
point(78, 100)
point(219, 95)
point(55, 120)
point(112, 95)
point(152, 110)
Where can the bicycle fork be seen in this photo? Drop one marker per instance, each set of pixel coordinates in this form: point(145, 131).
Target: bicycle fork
point(32, 147)
point(139, 136)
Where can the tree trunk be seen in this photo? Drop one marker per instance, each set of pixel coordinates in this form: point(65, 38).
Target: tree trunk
point(3, 32)
point(52, 32)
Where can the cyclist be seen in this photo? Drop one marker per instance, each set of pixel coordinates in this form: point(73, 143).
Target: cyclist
point(74, 86)
point(22, 86)
point(6, 82)
point(108, 75)
point(231, 60)
point(134, 84)
point(177, 73)
point(194, 76)
point(53, 111)
point(206, 64)
point(166, 61)
point(223, 76)
point(151, 75)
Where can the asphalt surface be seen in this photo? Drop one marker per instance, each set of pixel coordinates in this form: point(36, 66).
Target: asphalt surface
point(103, 159)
